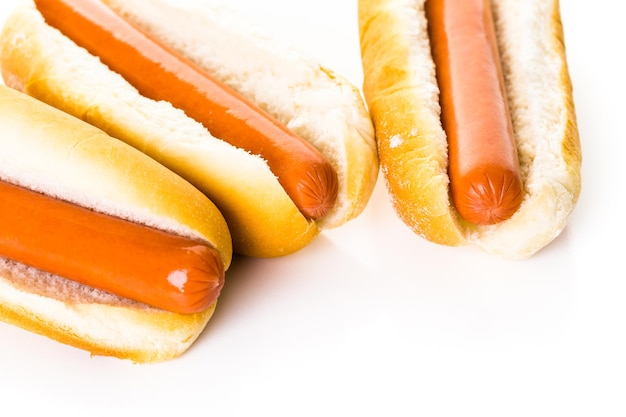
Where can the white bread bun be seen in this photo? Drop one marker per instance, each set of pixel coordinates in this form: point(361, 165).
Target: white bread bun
point(312, 101)
point(49, 151)
point(401, 90)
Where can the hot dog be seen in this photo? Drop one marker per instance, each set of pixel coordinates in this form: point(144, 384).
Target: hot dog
point(303, 99)
point(440, 83)
point(161, 74)
point(485, 178)
point(102, 247)
point(145, 264)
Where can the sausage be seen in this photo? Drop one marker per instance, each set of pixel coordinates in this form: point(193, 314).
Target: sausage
point(484, 170)
point(161, 74)
point(171, 272)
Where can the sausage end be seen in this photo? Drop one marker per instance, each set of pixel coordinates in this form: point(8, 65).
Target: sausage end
point(491, 195)
point(317, 191)
point(194, 288)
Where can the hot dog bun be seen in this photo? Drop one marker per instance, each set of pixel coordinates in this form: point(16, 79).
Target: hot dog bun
point(401, 91)
point(49, 151)
point(311, 100)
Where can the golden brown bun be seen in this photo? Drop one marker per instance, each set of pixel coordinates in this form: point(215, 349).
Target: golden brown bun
point(402, 94)
point(314, 102)
point(46, 150)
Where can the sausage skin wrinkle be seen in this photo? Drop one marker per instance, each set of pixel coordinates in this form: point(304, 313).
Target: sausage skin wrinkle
point(125, 258)
point(162, 74)
point(484, 168)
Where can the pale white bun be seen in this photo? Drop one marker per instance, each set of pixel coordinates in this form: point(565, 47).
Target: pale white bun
point(402, 94)
point(49, 151)
point(311, 100)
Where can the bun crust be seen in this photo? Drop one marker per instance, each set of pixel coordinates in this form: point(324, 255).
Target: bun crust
point(403, 97)
point(318, 105)
point(54, 153)
point(99, 323)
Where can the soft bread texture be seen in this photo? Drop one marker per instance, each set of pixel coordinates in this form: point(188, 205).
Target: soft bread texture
point(49, 151)
point(312, 101)
point(97, 322)
point(401, 91)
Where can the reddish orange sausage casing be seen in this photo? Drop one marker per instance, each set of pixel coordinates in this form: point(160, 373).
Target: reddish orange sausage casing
point(161, 74)
point(483, 164)
point(127, 259)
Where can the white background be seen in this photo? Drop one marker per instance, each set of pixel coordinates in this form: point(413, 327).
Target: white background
point(371, 319)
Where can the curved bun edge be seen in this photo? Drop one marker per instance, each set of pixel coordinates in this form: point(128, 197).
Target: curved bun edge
point(52, 152)
point(315, 103)
point(103, 326)
point(401, 91)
